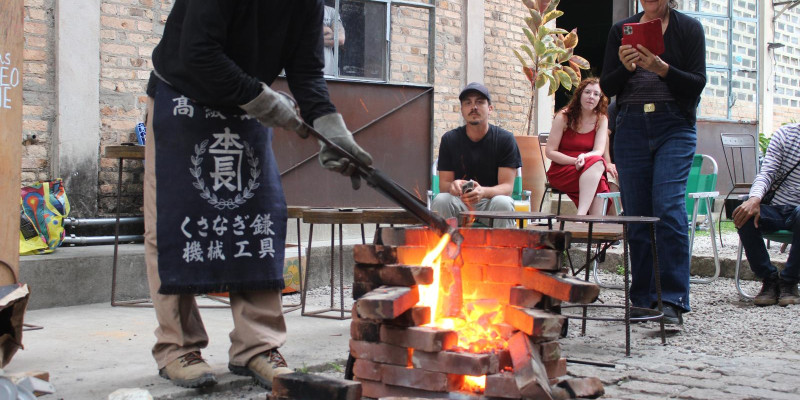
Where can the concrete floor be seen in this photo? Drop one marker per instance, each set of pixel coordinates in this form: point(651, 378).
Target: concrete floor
point(92, 350)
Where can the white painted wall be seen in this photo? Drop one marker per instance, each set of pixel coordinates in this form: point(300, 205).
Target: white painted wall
point(77, 141)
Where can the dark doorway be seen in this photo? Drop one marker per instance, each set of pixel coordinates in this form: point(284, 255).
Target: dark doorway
point(593, 18)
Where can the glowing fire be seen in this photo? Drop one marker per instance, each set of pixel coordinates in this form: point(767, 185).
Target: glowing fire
point(475, 323)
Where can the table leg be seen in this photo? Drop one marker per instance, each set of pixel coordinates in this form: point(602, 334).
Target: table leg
point(116, 237)
point(586, 273)
point(304, 286)
point(657, 273)
point(627, 290)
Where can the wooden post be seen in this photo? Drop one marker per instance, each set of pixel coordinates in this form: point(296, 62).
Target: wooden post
point(11, 45)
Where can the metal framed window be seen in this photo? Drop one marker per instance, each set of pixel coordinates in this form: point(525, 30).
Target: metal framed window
point(380, 40)
point(731, 29)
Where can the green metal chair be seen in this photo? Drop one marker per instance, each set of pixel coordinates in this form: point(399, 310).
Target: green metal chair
point(700, 195)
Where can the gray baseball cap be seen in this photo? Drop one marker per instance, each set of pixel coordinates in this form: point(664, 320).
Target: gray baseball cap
point(475, 87)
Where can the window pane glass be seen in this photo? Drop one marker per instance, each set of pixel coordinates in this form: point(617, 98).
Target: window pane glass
point(409, 44)
point(688, 5)
point(716, 30)
point(745, 8)
point(714, 6)
point(743, 86)
point(363, 53)
point(714, 100)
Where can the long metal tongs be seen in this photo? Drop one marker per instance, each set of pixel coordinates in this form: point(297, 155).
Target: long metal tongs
point(394, 192)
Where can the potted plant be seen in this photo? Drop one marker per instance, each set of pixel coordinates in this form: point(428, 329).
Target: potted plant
point(547, 59)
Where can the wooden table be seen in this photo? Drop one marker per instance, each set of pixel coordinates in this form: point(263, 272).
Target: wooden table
point(520, 216)
point(589, 221)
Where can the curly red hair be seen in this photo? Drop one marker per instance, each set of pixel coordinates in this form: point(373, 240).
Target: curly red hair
point(573, 109)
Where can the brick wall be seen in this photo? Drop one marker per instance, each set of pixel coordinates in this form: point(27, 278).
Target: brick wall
point(131, 28)
point(38, 111)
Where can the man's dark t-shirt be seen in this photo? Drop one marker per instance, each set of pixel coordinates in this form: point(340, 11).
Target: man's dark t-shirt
point(478, 161)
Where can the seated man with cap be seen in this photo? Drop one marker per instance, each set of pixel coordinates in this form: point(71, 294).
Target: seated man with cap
point(477, 162)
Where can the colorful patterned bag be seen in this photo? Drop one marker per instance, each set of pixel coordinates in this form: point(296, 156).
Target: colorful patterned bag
point(44, 206)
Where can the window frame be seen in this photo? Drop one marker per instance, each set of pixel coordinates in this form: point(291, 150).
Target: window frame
point(728, 69)
point(387, 40)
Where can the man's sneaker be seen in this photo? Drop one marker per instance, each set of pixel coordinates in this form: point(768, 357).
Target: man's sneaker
point(189, 370)
point(264, 367)
point(768, 294)
point(788, 294)
point(672, 315)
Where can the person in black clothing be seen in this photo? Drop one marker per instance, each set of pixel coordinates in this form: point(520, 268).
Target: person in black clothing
point(482, 156)
point(215, 214)
point(655, 140)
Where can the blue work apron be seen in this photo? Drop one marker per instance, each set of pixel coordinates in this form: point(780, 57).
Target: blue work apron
point(221, 212)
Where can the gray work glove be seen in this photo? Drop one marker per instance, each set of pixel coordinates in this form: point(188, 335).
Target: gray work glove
point(332, 127)
point(277, 109)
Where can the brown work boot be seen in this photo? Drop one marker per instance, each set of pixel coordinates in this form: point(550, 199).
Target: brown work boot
point(788, 294)
point(768, 294)
point(264, 367)
point(189, 370)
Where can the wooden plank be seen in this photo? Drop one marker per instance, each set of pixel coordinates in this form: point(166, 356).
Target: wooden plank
point(134, 152)
point(11, 58)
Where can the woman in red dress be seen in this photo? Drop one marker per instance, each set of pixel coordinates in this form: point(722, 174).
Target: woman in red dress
point(576, 145)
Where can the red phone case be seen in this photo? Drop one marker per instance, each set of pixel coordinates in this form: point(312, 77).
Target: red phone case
point(647, 34)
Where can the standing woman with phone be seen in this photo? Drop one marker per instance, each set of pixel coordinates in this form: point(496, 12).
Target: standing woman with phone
point(655, 141)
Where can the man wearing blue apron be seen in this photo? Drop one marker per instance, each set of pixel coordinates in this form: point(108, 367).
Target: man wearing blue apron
point(215, 213)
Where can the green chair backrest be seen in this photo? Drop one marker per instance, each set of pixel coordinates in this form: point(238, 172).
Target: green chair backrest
point(700, 182)
point(516, 193)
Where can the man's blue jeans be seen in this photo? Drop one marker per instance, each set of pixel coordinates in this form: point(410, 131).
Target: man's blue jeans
point(773, 218)
point(654, 153)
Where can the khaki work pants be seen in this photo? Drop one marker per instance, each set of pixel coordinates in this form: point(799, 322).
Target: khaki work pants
point(257, 316)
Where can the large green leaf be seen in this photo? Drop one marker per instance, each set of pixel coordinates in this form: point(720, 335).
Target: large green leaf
point(540, 81)
point(551, 16)
point(528, 51)
point(543, 32)
point(565, 79)
point(563, 57)
point(550, 7)
point(559, 31)
point(531, 38)
point(539, 47)
point(580, 62)
point(553, 85)
point(572, 75)
point(537, 18)
point(521, 60)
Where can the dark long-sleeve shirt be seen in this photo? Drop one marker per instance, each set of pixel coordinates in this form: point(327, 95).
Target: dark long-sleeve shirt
point(217, 52)
point(685, 52)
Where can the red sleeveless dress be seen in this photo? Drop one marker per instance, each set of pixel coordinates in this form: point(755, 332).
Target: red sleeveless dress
point(565, 177)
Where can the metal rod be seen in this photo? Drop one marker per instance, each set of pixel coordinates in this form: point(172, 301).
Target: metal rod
point(588, 362)
point(88, 240)
point(101, 221)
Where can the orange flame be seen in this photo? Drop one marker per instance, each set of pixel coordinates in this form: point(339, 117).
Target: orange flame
point(477, 321)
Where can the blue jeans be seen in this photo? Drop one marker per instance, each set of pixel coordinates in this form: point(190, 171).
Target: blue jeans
point(773, 218)
point(654, 153)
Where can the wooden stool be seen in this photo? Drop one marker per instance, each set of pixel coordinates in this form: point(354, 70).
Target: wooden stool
point(333, 217)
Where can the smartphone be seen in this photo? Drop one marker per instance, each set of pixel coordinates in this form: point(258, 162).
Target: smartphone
point(467, 187)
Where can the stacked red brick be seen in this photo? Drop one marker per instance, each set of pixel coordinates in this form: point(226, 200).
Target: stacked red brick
point(396, 356)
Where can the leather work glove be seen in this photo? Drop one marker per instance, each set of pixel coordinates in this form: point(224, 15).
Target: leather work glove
point(332, 127)
point(276, 109)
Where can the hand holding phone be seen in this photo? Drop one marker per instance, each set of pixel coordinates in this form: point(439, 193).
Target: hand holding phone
point(467, 187)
